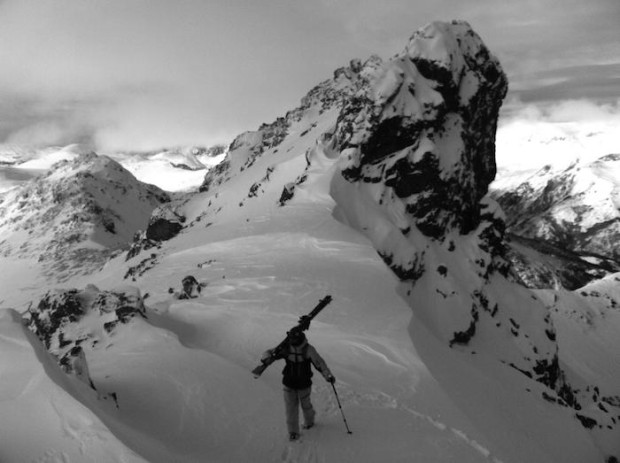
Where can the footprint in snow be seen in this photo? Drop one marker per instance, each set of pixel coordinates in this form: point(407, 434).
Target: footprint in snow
point(303, 450)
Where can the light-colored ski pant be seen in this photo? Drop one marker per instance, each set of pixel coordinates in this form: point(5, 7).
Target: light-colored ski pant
point(293, 399)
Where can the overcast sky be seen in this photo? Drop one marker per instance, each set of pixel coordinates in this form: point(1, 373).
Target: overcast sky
point(141, 74)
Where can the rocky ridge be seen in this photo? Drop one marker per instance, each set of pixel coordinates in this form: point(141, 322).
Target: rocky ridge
point(329, 95)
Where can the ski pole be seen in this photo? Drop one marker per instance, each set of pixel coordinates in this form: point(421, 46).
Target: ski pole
point(341, 411)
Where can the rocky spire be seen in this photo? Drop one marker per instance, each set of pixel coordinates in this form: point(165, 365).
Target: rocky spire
point(425, 128)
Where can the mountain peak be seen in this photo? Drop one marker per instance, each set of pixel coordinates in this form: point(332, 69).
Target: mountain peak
point(75, 214)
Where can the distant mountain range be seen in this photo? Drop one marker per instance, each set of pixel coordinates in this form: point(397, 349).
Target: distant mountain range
point(570, 218)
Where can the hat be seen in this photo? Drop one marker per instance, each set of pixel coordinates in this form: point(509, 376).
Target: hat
point(296, 338)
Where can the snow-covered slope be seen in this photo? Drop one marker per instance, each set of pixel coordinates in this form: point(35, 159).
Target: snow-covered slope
point(41, 419)
point(374, 190)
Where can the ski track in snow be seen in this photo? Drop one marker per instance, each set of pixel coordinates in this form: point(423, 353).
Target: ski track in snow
point(309, 448)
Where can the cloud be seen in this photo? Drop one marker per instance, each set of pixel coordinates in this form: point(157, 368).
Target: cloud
point(142, 73)
point(533, 135)
point(194, 71)
point(597, 82)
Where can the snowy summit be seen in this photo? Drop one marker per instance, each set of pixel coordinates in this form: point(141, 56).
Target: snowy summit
point(373, 191)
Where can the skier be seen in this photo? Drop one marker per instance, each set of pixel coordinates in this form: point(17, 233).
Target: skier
point(299, 356)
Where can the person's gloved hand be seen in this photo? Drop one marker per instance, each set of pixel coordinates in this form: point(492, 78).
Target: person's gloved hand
point(267, 356)
point(331, 379)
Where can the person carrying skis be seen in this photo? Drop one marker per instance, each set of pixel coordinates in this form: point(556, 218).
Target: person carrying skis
point(296, 378)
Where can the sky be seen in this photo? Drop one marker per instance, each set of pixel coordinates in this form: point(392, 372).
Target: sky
point(143, 74)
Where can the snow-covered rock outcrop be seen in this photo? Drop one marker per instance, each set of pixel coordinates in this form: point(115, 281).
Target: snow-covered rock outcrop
point(68, 322)
point(425, 129)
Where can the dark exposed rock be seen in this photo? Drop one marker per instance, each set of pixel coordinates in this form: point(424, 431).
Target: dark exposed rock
point(163, 229)
point(142, 267)
point(190, 288)
point(54, 310)
point(140, 243)
point(587, 422)
point(287, 193)
point(215, 176)
point(463, 337)
point(164, 224)
point(412, 271)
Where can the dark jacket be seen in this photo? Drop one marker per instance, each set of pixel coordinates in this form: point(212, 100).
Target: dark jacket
point(297, 373)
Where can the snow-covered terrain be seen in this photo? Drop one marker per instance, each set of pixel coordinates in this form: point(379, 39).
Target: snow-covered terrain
point(373, 191)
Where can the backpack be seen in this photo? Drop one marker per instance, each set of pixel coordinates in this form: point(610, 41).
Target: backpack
point(297, 373)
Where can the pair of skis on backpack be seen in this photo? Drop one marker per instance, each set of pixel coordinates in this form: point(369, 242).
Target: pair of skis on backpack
point(302, 325)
